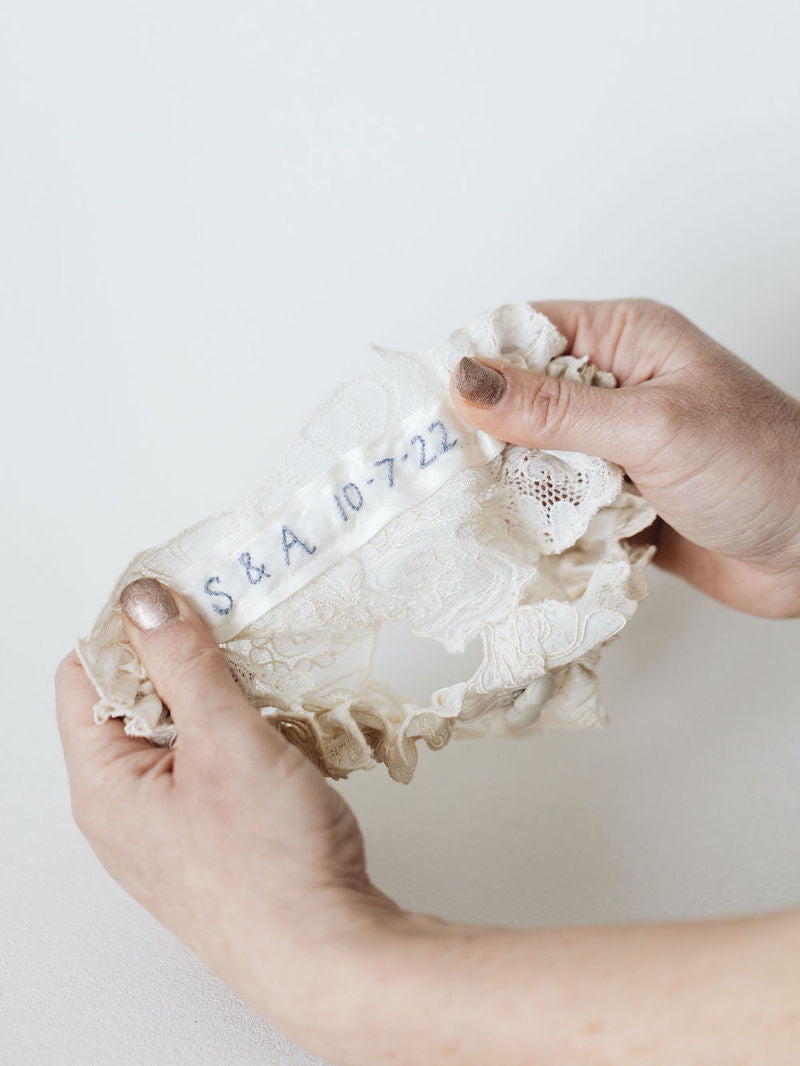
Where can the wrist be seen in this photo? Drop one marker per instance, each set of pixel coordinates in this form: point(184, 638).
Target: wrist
point(339, 1000)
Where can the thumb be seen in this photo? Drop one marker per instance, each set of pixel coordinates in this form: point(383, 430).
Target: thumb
point(188, 670)
point(525, 407)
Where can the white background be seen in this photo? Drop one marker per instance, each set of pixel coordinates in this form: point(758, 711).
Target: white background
point(207, 212)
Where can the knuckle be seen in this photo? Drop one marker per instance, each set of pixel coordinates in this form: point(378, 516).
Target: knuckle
point(642, 305)
point(648, 312)
point(547, 403)
point(187, 653)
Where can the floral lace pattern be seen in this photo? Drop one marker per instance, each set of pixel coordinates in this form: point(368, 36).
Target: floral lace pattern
point(527, 552)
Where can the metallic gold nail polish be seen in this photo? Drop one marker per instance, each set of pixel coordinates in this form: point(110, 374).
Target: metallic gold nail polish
point(479, 384)
point(148, 603)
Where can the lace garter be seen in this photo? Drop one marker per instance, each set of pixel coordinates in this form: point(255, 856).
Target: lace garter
point(421, 519)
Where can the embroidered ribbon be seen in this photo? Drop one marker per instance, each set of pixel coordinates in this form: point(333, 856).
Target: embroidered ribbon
point(332, 516)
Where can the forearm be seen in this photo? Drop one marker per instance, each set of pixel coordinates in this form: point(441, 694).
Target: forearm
point(701, 993)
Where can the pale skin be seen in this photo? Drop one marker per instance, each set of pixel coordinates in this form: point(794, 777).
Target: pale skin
point(257, 864)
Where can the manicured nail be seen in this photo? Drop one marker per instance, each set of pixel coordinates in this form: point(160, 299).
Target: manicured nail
point(148, 603)
point(478, 383)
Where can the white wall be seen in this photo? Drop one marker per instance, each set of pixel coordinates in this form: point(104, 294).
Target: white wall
point(207, 212)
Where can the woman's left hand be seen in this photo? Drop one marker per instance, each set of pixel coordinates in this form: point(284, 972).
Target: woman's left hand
point(232, 839)
point(237, 844)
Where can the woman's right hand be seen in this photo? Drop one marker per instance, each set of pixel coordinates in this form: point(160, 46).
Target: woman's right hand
point(711, 444)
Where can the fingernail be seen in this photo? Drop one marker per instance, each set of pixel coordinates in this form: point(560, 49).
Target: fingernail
point(148, 603)
point(479, 384)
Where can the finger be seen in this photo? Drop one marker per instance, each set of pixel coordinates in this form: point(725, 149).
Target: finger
point(590, 327)
point(633, 338)
point(182, 659)
point(524, 407)
point(86, 745)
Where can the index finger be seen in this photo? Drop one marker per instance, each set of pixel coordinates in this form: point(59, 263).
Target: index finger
point(617, 335)
point(87, 746)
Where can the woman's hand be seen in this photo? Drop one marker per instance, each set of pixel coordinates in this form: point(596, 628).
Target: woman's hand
point(232, 839)
point(236, 843)
point(712, 445)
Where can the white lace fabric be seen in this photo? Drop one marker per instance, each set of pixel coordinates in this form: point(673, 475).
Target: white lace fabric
point(453, 534)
